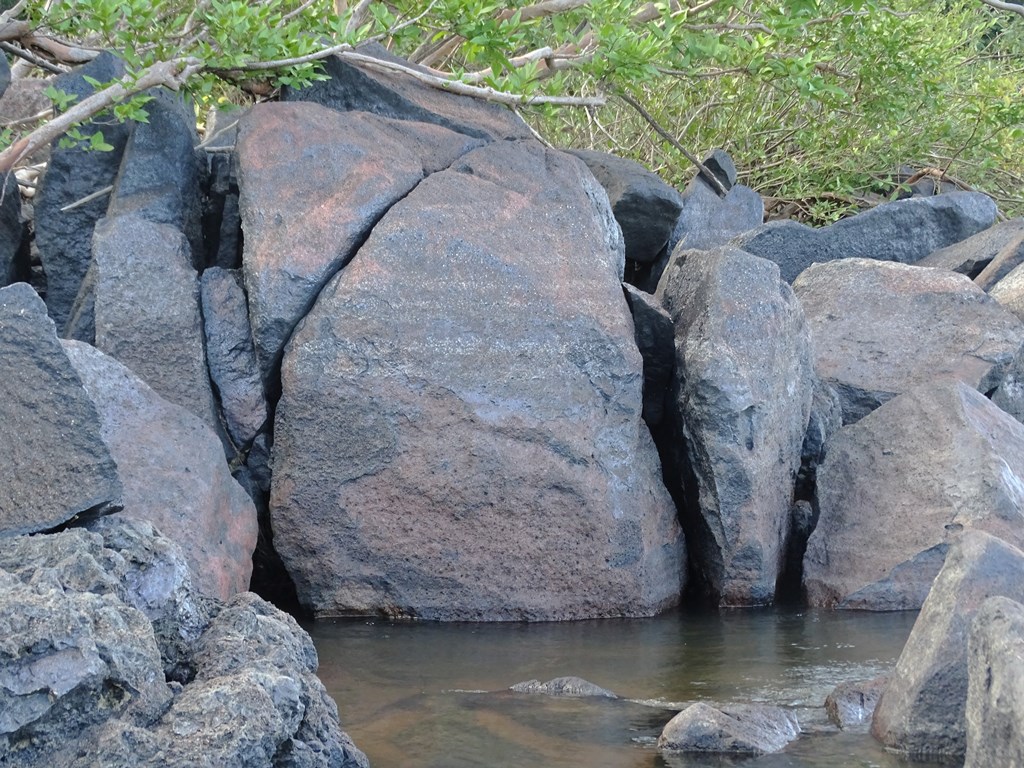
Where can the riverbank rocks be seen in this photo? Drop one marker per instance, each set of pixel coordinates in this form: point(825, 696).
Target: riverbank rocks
point(995, 687)
point(895, 488)
point(173, 471)
point(439, 458)
point(740, 729)
point(742, 403)
point(922, 711)
point(56, 466)
point(903, 231)
point(880, 328)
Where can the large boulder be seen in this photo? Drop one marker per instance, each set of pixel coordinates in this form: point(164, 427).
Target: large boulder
point(56, 466)
point(995, 685)
point(903, 231)
point(898, 484)
point(312, 185)
point(174, 473)
point(434, 457)
point(881, 328)
point(740, 729)
point(742, 403)
point(922, 710)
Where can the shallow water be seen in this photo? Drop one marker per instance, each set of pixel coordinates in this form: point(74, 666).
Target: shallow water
point(425, 695)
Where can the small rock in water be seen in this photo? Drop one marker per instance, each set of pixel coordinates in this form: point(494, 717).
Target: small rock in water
point(852, 704)
point(754, 729)
point(573, 687)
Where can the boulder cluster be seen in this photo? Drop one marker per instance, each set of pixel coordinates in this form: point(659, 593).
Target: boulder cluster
point(423, 365)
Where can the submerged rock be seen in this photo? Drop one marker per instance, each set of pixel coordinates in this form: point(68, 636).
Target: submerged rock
point(743, 729)
point(571, 687)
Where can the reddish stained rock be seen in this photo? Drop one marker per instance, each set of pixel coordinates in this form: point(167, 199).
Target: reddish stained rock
point(437, 457)
point(312, 183)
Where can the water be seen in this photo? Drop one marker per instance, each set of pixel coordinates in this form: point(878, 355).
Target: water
point(425, 695)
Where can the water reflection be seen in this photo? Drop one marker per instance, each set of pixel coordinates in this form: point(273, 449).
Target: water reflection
point(421, 695)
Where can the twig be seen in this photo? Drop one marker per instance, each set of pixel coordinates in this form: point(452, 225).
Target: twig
point(358, 17)
point(292, 14)
point(87, 199)
point(31, 58)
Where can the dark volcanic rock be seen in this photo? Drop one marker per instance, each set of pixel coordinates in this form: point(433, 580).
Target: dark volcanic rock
point(708, 221)
point(655, 338)
point(971, 256)
point(174, 473)
point(231, 355)
point(921, 712)
point(903, 231)
point(852, 704)
point(313, 183)
point(722, 167)
point(222, 221)
point(434, 457)
point(360, 88)
point(743, 398)
point(995, 685)
point(897, 485)
point(147, 309)
point(746, 729)
point(571, 687)
point(14, 257)
point(64, 238)
point(881, 328)
point(644, 205)
point(56, 466)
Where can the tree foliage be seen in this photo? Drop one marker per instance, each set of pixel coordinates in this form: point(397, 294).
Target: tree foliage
point(818, 100)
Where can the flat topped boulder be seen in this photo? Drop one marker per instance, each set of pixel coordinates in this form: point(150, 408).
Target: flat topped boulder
point(459, 434)
point(881, 328)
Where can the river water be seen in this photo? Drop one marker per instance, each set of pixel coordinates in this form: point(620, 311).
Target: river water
point(425, 695)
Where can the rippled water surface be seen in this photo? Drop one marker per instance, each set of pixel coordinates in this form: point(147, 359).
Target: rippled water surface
point(419, 695)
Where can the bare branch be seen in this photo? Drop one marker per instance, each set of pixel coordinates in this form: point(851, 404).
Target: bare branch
point(543, 8)
point(69, 54)
point(292, 14)
point(358, 17)
point(1000, 5)
point(31, 58)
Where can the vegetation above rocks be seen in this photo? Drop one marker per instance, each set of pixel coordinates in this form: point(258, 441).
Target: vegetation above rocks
point(819, 101)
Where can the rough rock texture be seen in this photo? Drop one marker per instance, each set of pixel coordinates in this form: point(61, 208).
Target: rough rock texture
point(1009, 291)
point(147, 310)
point(995, 685)
point(351, 87)
point(312, 184)
point(971, 256)
point(231, 356)
point(850, 705)
point(881, 233)
point(571, 687)
point(742, 400)
point(174, 473)
point(749, 729)
point(881, 328)
point(896, 486)
point(160, 173)
point(1005, 261)
point(64, 238)
point(644, 205)
point(708, 221)
point(436, 458)
point(655, 338)
point(14, 261)
point(51, 471)
point(921, 712)
point(722, 167)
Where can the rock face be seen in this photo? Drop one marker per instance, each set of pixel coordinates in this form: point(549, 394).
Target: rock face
point(14, 262)
point(881, 233)
point(995, 687)
point(51, 473)
point(1009, 291)
point(655, 338)
point(742, 402)
point(436, 458)
point(747, 729)
point(1005, 261)
point(571, 687)
point(971, 256)
point(852, 704)
point(881, 328)
point(174, 473)
point(921, 711)
point(896, 486)
point(312, 184)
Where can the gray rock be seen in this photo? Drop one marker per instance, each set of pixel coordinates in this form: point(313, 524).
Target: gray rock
point(881, 328)
point(898, 485)
point(434, 457)
point(174, 473)
point(569, 687)
point(971, 256)
point(655, 338)
point(64, 238)
point(921, 711)
point(312, 184)
point(56, 467)
point(1005, 261)
point(745, 729)
point(644, 205)
point(231, 355)
point(995, 685)
point(743, 398)
point(722, 167)
point(851, 705)
point(14, 256)
point(826, 418)
point(903, 231)
point(1009, 395)
point(147, 310)
point(24, 98)
point(708, 221)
